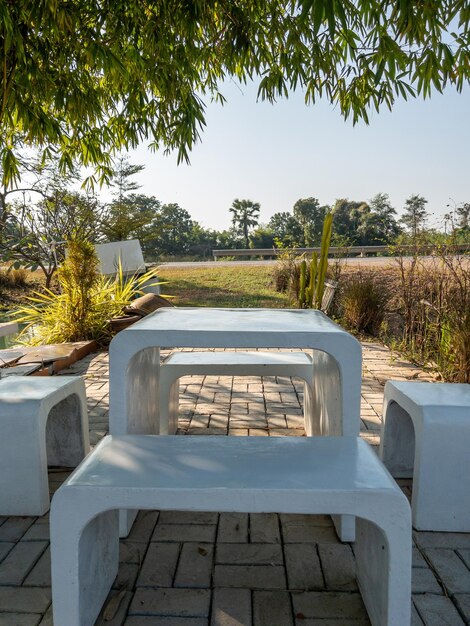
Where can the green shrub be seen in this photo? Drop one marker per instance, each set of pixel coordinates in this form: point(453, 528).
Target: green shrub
point(85, 304)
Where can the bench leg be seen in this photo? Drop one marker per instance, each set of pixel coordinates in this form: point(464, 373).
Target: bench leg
point(67, 438)
point(24, 486)
point(397, 443)
point(84, 562)
point(169, 402)
point(383, 561)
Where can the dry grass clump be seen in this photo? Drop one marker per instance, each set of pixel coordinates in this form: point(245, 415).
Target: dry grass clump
point(11, 278)
point(362, 302)
point(436, 305)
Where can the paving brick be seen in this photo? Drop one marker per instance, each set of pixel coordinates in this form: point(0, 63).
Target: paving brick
point(450, 568)
point(184, 532)
point(248, 554)
point(14, 528)
point(415, 618)
point(114, 609)
point(195, 565)
point(47, 618)
point(464, 555)
point(339, 567)
point(15, 567)
point(5, 548)
point(126, 576)
point(303, 567)
point(19, 619)
point(24, 599)
point(437, 610)
point(273, 608)
point(322, 605)
point(158, 569)
point(423, 580)
point(131, 552)
point(39, 531)
point(264, 528)
point(301, 532)
point(451, 541)
point(40, 575)
point(418, 559)
point(143, 526)
point(462, 601)
point(171, 602)
point(231, 607)
point(166, 621)
point(187, 517)
point(250, 577)
point(233, 528)
point(302, 621)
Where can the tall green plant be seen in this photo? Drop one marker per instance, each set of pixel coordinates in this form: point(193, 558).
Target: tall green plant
point(85, 304)
point(310, 295)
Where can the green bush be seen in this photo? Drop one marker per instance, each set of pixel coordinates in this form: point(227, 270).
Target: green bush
point(85, 304)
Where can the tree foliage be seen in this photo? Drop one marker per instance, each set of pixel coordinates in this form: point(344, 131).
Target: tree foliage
point(87, 78)
point(37, 234)
point(414, 215)
point(310, 215)
point(245, 215)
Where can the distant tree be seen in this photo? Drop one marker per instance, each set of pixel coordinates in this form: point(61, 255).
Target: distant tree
point(36, 181)
point(348, 218)
point(202, 240)
point(245, 216)
point(310, 216)
point(463, 213)
point(38, 238)
point(122, 216)
point(172, 230)
point(262, 237)
point(384, 226)
point(414, 216)
point(286, 229)
point(227, 239)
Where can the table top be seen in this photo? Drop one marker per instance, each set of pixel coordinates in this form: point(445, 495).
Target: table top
point(236, 320)
point(236, 328)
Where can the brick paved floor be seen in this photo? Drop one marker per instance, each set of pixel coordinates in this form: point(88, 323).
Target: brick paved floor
point(211, 569)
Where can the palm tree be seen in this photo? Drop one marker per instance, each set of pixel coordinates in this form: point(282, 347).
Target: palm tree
point(245, 215)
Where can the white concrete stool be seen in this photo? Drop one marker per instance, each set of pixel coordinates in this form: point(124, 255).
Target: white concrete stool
point(43, 421)
point(229, 363)
point(426, 435)
point(313, 475)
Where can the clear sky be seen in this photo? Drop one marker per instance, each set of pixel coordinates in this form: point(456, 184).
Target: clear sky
point(276, 154)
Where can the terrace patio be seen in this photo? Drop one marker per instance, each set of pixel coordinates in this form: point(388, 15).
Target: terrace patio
point(201, 569)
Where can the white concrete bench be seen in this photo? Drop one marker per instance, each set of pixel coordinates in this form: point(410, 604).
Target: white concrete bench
point(230, 363)
point(426, 435)
point(309, 475)
point(43, 421)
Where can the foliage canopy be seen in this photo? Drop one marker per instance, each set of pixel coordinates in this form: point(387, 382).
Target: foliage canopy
point(90, 77)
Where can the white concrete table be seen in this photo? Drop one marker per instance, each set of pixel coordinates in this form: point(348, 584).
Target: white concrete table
point(134, 364)
point(135, 360)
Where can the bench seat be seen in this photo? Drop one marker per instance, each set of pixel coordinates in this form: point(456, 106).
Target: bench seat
point(43, 421)
point(426, 435)
point(325, 475)
point(229, 363)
